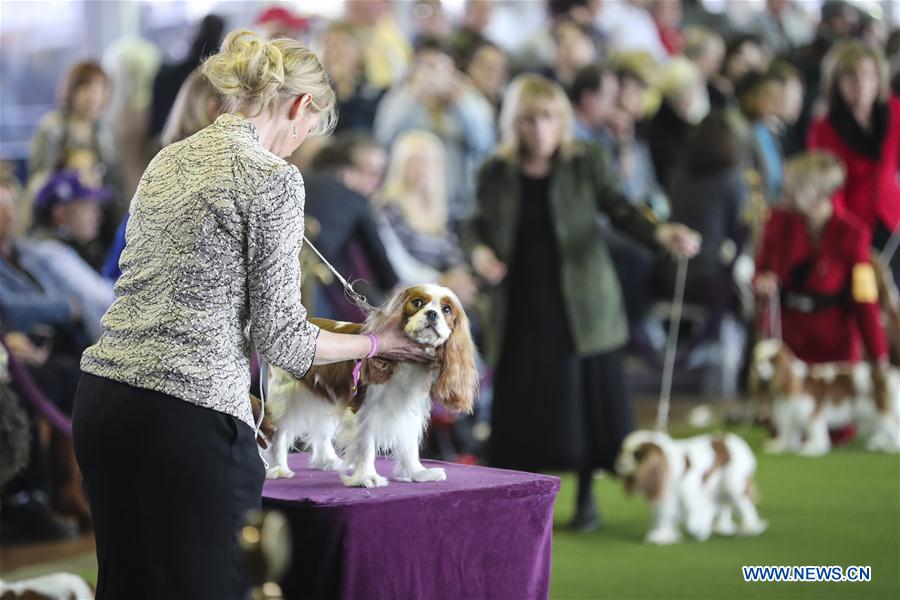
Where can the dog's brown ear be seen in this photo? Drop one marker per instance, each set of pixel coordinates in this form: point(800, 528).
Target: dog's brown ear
point(651, 472)
point(785, 380)
point(457, 381)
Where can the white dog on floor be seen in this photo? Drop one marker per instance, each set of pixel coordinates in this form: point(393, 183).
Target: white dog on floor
point(390, 411)
point(696, 483)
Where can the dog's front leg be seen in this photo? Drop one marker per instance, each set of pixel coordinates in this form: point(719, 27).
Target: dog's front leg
point(665, 521)
point(364, 473)
point(788, 434)
point(698, 506)
point(817, 442)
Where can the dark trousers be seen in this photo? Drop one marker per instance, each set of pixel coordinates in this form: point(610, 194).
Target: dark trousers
point(169, 483)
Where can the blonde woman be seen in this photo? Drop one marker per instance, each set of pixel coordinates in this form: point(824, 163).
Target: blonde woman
point(862, 128)
point(196, 106)
point(163, 425)
point(556, 322)
point(413, 207)
point(685, 103)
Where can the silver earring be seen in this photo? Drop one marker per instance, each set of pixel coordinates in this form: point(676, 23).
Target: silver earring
point(295, 130)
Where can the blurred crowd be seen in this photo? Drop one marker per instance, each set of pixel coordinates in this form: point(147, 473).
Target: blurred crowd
point(775, 140)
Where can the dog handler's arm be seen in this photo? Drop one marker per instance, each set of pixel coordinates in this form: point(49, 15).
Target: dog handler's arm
point(279, 327)
point(392, 344)
point(278, 324)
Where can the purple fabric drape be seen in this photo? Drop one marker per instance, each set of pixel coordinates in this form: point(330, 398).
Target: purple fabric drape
point(482, 533)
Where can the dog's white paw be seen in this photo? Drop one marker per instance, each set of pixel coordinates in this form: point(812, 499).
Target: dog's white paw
point(436, 474)
point(814, 449)
point(663, 537)
point(725, 528)
point(279, 472)
point(884, 441)
point(327, 464)
point(776, 446)
point(367, 480)
point(753, 528)
point(700, 533)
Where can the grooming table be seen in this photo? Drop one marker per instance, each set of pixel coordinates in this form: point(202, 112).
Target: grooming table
point(482, 533)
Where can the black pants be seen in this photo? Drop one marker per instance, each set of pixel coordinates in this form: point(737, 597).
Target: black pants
point(169, 483)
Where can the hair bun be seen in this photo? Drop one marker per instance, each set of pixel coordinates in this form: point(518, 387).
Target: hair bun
point(252, 74)
point(247, 66)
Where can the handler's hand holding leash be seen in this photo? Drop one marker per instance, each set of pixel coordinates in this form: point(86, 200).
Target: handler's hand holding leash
point(683, 243)
point(679, 240)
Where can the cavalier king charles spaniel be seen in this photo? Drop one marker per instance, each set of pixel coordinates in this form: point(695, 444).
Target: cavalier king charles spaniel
point(389, 412)
point(695, 483)
point(809, 400)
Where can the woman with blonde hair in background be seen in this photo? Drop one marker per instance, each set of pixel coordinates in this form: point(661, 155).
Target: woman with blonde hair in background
point(414, 212)
point(163, 425)
point(343, 54)
point(196, 106)
point(132, 63)
point(555, 325)
point(862, 128)
point(685, 103)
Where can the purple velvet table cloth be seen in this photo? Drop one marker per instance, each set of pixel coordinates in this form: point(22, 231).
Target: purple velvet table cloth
point(482, 533)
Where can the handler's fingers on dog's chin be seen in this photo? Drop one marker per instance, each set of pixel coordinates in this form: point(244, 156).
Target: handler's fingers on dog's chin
point(417, 353)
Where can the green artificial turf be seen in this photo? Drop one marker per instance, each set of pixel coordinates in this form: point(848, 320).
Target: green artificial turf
point(842, 509)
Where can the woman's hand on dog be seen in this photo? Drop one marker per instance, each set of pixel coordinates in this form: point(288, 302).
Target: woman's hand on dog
point(394, 345)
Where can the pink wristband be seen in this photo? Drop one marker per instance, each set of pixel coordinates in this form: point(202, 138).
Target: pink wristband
point(374, 339)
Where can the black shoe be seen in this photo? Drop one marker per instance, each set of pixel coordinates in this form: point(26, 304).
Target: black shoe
point(26, 519)
point(586, 520)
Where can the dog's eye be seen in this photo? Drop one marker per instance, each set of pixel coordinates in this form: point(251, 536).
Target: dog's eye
point(447, 309)
point(417, 303)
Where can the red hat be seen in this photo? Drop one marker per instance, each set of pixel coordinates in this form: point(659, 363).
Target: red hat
point(279, 14)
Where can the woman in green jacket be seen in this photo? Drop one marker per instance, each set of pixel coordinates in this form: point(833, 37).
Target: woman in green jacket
point(554, 322)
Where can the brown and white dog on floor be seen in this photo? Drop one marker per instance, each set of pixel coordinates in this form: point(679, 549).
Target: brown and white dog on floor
point(695, 483)
point(390, 411)
point(808, 400)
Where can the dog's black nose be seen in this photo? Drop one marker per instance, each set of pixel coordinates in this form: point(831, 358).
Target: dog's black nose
point(431, 315)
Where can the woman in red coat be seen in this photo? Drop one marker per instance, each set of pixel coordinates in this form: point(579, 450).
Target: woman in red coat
point(862, 128)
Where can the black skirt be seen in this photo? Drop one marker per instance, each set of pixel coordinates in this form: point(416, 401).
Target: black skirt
point(169, 484)
point(552, 408)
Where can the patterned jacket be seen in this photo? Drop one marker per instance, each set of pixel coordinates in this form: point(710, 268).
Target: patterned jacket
point(210, 265)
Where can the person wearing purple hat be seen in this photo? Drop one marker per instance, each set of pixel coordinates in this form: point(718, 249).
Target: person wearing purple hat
point(68, 210)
